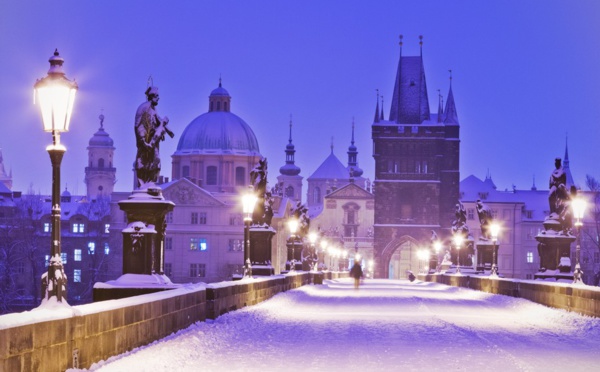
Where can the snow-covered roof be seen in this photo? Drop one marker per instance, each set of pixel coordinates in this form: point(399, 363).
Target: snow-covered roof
point(331, 168)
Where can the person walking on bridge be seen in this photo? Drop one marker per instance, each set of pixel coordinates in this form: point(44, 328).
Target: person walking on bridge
point(357, 273)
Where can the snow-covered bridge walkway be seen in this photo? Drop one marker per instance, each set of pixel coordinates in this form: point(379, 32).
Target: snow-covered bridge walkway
point(385, 325)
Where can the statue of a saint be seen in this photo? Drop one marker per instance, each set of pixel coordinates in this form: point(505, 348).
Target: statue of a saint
point(558, 189)
point(459, 225)
point(485, 219)
point(150, 130)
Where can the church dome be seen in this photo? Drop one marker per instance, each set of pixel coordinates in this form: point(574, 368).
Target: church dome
point(218, 131)
point(290, 170)
point(101, 138)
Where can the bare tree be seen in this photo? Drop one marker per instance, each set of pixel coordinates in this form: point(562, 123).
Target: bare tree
point(591, 244)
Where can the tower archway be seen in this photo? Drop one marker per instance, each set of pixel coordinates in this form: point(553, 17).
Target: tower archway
point(398, 257)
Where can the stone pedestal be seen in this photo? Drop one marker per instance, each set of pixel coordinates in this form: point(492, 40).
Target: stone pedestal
point(485, 255)
point(143, 251)
point(260, 250)
point(294, 252)
point(554, 250)
point(466, 252)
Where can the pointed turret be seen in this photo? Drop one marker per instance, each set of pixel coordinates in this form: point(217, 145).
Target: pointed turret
point(381, 117)
point(353, 168)
point(376, 119)
point(440, 114)
point(410, 104)
point(566, 167)
point(451, 115)
point(533, 187)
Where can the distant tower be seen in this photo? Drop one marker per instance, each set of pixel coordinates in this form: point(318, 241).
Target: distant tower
point(5, 178)
point(100, 175)
point(289, 180)
point(416, 156)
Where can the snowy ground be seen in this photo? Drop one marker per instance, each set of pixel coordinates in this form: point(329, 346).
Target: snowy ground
point(391, 325)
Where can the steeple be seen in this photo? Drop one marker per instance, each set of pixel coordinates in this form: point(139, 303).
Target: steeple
point(382, 118)
point(376, 119)
point(290, 169)
point(6, 179)
point(566, 167)
point(533, 187)
point(100, 174)
point(410, 103)
point(353, 168)
point(451, 115)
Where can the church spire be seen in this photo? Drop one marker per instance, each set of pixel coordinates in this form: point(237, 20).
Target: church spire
point(440, 107)
point(451, 115)
point(382, 118)
point(353, 168)
point(290, 168)
point(566, 166)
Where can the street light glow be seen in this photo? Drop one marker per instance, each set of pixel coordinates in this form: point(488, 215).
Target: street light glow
point(579, 205)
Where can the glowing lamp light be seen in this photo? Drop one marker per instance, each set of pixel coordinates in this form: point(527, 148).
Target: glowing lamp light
point(458, 240)
point(56, 95)
point(248, 204)
point(494, 231)
point(312, 237)
point(293, 225)
point(437, 246)
point(324, 244)
point(579, 205)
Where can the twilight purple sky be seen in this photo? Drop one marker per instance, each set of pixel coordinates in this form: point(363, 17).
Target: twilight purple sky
point(525, 74)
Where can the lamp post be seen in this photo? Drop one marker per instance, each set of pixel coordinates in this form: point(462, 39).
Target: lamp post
point(312, 238)
point(458, 241)
point(293, 227)
point(56, 95)
point(494, 232)
point(437, 247)
point(579, 206)
point(248, 202)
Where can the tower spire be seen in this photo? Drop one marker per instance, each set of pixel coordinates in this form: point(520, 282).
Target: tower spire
point(290, 141)
point(421, 44)
point(376, 120)
point(353, 168)
point(332, 144)
point(382, 118)
point(566, 165)
point(451, 115)
point(290, 168)
point(440, 107)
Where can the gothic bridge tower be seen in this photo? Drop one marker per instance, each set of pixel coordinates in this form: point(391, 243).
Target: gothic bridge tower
point(416, 183)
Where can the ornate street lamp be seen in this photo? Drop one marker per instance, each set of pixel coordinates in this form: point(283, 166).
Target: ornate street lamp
point(293, 225)
point(458, 241)
point(248, 202)
point(324, 244)
point(579, 206)
point(55, 95)
point(494, 232)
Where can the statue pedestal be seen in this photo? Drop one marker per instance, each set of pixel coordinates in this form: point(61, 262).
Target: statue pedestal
point(128, 285)
point(260, 250)
point(485, 255)
point(294, 252)
point(554, 249)
point(466, 253)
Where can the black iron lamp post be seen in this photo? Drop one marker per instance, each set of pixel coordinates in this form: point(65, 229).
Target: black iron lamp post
point(55, 95)
point(293, 227)
point(579, 206)
point(494, 232)
point(248, 202)
point(458, 241)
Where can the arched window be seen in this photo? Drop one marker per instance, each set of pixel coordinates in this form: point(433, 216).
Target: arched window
point(101, 163)
point(185, 171)
point(211, 106)
point(211, 175)
point(225, 106)
point(240, 176)
point(218, 105)
point(317, 195)
point(289, 192)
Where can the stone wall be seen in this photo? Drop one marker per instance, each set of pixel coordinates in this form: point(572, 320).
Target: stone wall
point(98, 331)
point(577, 298)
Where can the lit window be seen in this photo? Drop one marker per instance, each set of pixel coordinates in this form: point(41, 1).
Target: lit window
point(91, 248)
point(78, 228)
point(77, 276)
point(529, 257)
point(46, 227)
point(203, 245)
point(202, 218)
point(63, 257)
point(106, 249)
point(106, 228)
point(168, 243)
point(77, 254)
point(47, 260)
point(193, 244)
point(198, 244)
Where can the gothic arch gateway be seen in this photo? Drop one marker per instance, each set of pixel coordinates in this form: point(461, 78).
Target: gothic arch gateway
point(398, 256)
